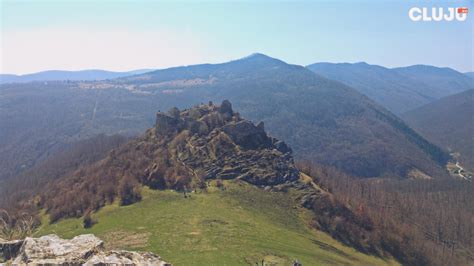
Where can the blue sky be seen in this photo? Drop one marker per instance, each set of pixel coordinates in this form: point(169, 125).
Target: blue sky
point(125, 35)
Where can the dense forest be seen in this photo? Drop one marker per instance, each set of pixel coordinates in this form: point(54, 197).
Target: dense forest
point(435, 217)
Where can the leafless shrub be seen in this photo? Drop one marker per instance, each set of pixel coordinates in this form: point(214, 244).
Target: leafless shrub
point(16, 227)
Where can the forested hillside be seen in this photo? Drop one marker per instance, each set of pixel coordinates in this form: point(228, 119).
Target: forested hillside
point(448, 122)
point(397, 89)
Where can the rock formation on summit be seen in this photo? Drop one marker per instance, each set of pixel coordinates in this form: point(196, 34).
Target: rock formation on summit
point(216, 142)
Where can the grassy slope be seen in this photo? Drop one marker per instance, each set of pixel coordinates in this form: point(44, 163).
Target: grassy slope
point(237, 226)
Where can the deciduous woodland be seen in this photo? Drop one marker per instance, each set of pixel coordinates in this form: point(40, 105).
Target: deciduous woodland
point(434, 219)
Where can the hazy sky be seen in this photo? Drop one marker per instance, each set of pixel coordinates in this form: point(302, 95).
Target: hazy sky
point(126, 35)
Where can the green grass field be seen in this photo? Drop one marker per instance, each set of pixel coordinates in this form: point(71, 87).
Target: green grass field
point(240, 225)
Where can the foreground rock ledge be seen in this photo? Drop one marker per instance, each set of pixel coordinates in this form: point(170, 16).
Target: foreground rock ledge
point(82, 249)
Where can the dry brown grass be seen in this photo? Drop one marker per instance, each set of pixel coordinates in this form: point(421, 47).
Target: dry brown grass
point(126, 240)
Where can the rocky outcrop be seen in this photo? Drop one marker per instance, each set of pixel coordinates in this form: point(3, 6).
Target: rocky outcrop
point(51, 249)
point(226, 108)
point(166, 124)
point(82, 249)
point(217, 143)
point(247, 135)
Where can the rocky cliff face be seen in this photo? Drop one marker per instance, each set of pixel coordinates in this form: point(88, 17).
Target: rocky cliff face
point(81, 250)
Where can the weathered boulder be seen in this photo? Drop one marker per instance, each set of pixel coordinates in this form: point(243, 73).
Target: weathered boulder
point(82, 249)
point(51, 249)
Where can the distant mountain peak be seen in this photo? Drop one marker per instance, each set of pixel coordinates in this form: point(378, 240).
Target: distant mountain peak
point(364, 64)
point(256, 55)
point(259, 57)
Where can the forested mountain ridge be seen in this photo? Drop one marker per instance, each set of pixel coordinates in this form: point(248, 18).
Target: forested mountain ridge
point(443, 81)
point(398, 89)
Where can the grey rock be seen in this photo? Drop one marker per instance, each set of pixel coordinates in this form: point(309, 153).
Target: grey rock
point(81, 250)
point(247, 135)
point(174, 112)
point(166, 124)
point(226, 108)
point(228, 147)
point(282, 147)
point(51, 249)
